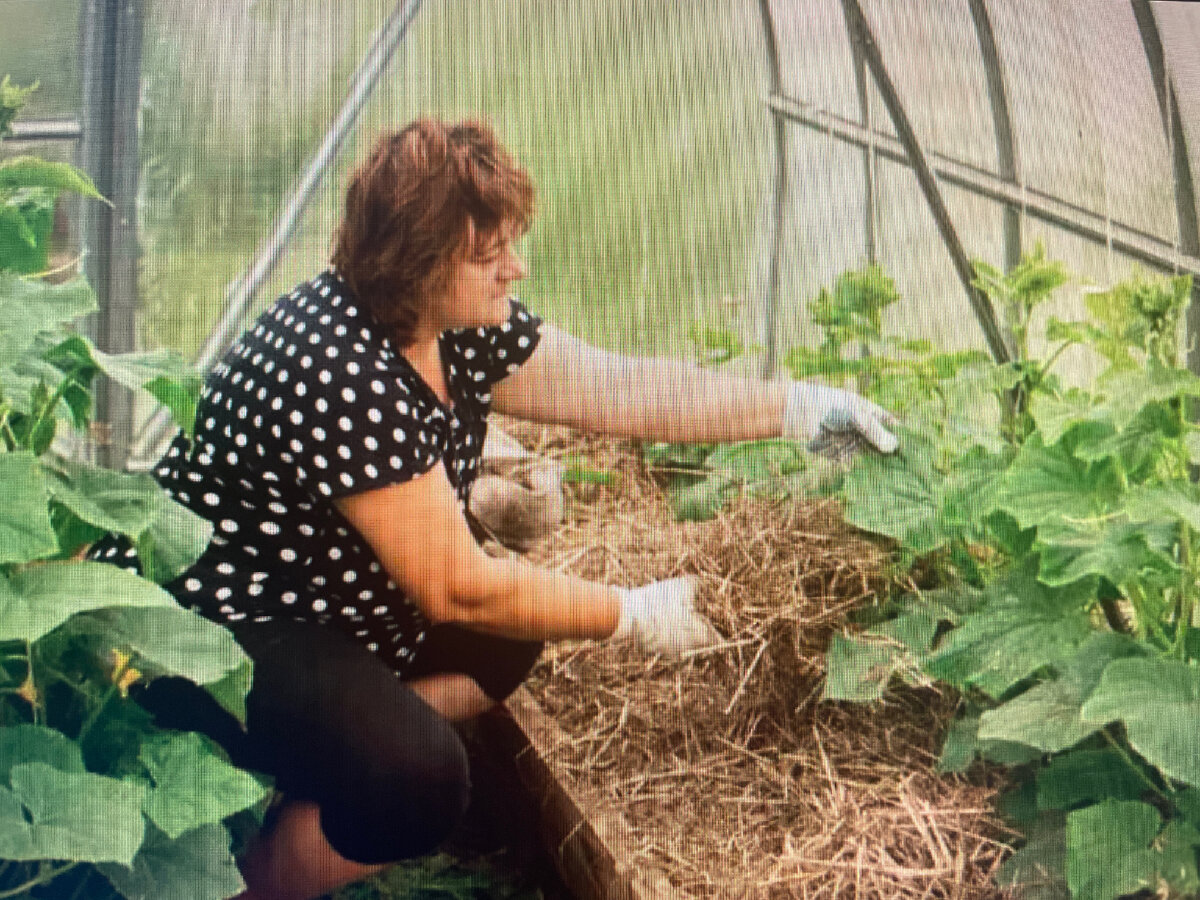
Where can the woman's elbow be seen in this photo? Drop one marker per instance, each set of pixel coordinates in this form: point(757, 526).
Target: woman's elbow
point(460, 598)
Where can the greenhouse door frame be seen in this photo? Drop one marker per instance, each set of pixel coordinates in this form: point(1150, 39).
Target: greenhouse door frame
point(1182, 257)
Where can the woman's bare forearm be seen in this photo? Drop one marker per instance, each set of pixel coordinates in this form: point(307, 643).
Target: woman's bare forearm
point(568, 382)
point(511, 598)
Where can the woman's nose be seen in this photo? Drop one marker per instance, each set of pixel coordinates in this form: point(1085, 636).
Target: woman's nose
point(514, 267)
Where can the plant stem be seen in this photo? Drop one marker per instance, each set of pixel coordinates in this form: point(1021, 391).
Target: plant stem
point(1187, 595)
point(1051, 360)
point(48, 409)
point(1129, 761)
point(43, 877)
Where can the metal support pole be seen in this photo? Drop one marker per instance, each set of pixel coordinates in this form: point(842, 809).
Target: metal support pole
point(1006, 153)
point(1185, 188)
point(1133, 242)
point(861, 32)
point(241, 293)
point(779, 189)
point(112, 49)
point(869, 182)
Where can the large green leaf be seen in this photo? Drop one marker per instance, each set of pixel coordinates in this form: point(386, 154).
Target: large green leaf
point(114, 501)
point(1048, 716)
point(166, 641)
point(1158, 701)
point(1108, 849)
point(858, 670)
point(26, 533)
point(1038, 868)
point(192, 785)
point(32, 306)
point(166, 375)
point(1055, 415)
point(898, 495)
point(37, 600)
point(194, 866)
point(1087, 776)
point(1177, 846)
point(31, 171)
point(69, 816)
point(175, 539)
point(1117, 551)
point(1129, 391)
point(1049, 488)
point(1005, 643)
point(35, 743)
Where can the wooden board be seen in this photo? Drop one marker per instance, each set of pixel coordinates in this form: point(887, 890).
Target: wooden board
point(589, 846)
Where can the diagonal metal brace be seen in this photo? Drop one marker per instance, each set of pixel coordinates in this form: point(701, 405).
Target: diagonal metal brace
point(980, 304)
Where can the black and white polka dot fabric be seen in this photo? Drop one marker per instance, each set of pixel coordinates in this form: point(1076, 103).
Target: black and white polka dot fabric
point(314, 403)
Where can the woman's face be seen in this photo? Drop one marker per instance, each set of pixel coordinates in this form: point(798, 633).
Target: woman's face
point(478, 288)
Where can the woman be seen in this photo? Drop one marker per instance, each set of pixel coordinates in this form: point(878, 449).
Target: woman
point(335, 448)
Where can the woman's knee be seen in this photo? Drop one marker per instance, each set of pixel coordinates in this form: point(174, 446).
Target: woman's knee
point(384, 813)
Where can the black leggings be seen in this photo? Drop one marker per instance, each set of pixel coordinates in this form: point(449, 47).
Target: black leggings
point(333, 724)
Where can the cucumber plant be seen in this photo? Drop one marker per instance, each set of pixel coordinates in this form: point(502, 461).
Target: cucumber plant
point(95, 801)
point(1065, 604)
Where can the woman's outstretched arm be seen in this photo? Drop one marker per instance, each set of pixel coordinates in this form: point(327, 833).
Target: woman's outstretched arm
point(569, 382)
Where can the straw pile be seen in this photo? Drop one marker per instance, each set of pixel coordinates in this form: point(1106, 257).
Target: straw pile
point(736, 780)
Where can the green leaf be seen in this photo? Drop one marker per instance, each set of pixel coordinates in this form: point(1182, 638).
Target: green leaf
point(37, 600)
point(703, 500)
point(26, 532)
point(35, 743)
point(166, 641)
point(1119, 552)
point(1055, 415)
point(1048, 716)
point(857, 670)
point(113, 501)
point(31, 171)
point(176, 538)
point(32, 307)
point(192, 785)
point(1005, 643)
point(959, 746)
point(231, 690)
point(71, 816)
point(1039, 868)
point(758, 461)
point(24, 235)
point(1085, 777)
point(1108, 852)
point(900, 495)
point(1049, 488)
point(162, 373)
point(195, 866)
point(1187, 801)
point(1129, 391)
point(1177, 864)
point(1158, 701)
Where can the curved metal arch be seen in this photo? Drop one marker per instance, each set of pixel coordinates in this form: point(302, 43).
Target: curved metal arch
point(1185, 185)
point(1006, 150)
point(778, 195)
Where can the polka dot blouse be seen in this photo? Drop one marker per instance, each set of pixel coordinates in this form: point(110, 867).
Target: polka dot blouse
point(314, 403)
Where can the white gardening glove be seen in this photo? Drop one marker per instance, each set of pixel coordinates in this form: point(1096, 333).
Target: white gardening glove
point(835, 422)
point(662, 618)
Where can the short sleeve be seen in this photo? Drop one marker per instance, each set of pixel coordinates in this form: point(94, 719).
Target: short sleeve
point(490, 353)
point(356, 418)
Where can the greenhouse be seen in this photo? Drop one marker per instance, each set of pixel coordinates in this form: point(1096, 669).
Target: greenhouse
point(846, 362)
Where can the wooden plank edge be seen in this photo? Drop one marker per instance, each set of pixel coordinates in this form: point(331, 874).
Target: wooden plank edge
point(590, 847)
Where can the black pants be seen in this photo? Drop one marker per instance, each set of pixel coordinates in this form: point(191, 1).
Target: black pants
point(333, 724)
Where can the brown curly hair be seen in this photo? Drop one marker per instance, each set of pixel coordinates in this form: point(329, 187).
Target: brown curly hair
point(410, 207)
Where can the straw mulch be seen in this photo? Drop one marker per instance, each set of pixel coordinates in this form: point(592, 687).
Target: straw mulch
point(736, 780)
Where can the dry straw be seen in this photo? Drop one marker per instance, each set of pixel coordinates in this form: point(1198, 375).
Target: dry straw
point(737, 780)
